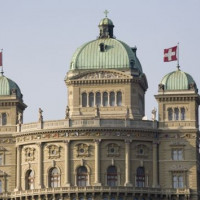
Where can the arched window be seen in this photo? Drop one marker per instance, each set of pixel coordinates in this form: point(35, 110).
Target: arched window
point(98, 99)
point(112, 99)
point(84, 99)
point(176, 114)
point(30, 180)
point(105, 99)
point(119, 98)
point(3, 119)
point(182, 113)
point(112, 176)
point(170, 114)
point(54, 177)
point(82, 176)
point(1, 190)
point(140, 177)
point(91, 99)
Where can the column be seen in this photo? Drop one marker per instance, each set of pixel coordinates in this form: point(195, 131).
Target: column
point(155, 164)
point(97, 163)
point(67, 167)
point(127, 163)
point(19, 151)
point(40, 161)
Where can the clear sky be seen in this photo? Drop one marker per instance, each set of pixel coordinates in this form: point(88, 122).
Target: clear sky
point(39, 38)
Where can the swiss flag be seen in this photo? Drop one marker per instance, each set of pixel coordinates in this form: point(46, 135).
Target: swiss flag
point(170, 54)
point(1, 63)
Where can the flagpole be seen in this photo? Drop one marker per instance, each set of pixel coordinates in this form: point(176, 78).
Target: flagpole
point(2, 62)
point(178, 56)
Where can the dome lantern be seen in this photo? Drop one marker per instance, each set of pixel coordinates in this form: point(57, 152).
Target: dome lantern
point(106, 27)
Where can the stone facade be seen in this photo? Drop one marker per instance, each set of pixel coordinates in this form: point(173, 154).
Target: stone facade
point(103, 149)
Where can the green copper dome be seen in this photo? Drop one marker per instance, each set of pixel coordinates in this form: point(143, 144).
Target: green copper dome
point(8, 87)
point(106, 21)
point(178, 80)
point(105, 53)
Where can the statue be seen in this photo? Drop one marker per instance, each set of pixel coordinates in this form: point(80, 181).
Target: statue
point(40, 115)
point(20, 118)
point(67, 112)
point(153, 112)
point(97, 113)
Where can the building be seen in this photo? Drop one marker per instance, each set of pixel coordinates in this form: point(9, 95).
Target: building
point(103, 148)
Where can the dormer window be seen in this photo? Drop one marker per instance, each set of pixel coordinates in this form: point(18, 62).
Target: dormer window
point(102, 47)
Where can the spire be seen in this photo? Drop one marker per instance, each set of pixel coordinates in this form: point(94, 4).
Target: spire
point(106, 27)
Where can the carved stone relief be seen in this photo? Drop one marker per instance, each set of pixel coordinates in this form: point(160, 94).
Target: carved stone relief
point(82, 150)
point(54, 151)
point(29, 154)
point(113, 150)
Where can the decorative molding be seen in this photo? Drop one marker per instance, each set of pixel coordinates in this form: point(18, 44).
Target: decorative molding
point(178, 168)
point(113, 150)
point(54, 151)
point(82, 150)
point(29, 154)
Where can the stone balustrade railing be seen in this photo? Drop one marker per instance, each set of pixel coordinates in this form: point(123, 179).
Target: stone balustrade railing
point(110, 123)
point(98, 189)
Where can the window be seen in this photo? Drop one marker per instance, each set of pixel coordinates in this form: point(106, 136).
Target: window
point(30, 180)
point(1, 159)
point(82, 176)
point(91, 99)
point(119, 98)
point(54, 178)
point(1, 190)
point(140, 177)
point(84, 99)
point(112, 99)
point(105, 99)
point(182, 113)
point(98, 99)
point(178, 181)
point(3, 119)
point(176, 114)
point(177, 154)
point(170, 114)
point(112, 176)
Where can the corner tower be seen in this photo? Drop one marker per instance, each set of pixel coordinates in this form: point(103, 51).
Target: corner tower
point(106, 79)
point(178, 101)
point(11, 104)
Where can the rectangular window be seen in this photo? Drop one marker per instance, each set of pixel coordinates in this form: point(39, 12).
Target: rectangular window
point(177, 154)
point(1, 159)
point(178, 181)
point(1, 187)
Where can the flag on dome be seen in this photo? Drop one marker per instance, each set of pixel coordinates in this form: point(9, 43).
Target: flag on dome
point(170, 54)
point(1, 62)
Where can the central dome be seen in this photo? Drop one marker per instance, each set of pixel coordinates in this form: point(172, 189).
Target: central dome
point(106, 52)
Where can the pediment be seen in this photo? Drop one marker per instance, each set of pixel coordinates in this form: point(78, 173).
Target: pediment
point(101, 75)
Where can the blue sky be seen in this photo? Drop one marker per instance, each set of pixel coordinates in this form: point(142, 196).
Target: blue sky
point(39, 38)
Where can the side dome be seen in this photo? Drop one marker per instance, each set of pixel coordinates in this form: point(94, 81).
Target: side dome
point(106, 53)
point(178, 80)
point(9, 87)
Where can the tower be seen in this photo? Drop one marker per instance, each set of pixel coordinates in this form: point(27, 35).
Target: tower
point(178, 102)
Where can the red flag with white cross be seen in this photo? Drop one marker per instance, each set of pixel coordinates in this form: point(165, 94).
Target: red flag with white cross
point(170, 54)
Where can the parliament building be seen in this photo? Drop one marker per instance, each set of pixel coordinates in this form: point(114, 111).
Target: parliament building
point(103, 148)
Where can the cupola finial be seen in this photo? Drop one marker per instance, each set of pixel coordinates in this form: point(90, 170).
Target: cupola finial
point(106, 13)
